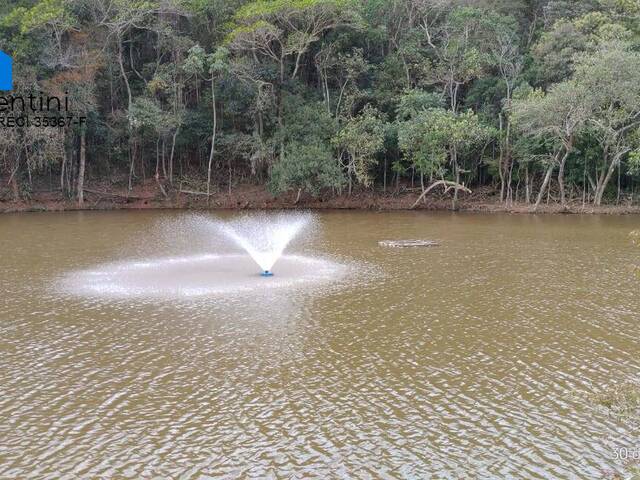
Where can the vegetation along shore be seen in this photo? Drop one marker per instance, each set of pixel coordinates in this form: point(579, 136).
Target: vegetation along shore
point(493, 105)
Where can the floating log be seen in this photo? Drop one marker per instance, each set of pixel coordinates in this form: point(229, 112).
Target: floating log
point(408, 243)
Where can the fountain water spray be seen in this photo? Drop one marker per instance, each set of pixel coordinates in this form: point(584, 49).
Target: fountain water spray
point(264, 237)
point(204, 270)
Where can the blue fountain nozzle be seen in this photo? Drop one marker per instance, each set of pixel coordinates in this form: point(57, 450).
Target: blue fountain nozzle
point(267, 273)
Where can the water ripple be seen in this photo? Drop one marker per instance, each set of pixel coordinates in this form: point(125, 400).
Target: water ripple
point(456, 362)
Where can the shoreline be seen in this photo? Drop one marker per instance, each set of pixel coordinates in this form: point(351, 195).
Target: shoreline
point(255, 197)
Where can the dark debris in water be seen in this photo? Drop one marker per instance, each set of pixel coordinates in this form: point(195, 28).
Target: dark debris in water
point(408, 243)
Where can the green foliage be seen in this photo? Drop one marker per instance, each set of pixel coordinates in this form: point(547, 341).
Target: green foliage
point(313, 94)
point(555, 52)
point(41, 14)
point(145, 114)
point(308, 162)
point(435, 136)
point(265, 8)
point(303, 20)
point(306, 122)
point(557, 115)
point(612, 78)
point(310, 167)
point(198, 62)
point(414, 102)
point(362, 137)
point(634, 162)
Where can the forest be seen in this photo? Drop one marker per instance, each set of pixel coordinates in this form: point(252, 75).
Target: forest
point(531, 101)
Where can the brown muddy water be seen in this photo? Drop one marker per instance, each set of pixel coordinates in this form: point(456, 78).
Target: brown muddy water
point(468, 360)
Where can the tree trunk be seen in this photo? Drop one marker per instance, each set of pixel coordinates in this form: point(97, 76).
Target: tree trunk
point(129, 102)
point(456, 171)
point(563, 199)
point(124, 74)
point(83, 161)
point(230, 176)
point(619, 186)
point(508, 163)
point(545, 183)
point(213, 136)
point(62, 167)
point(132, 146)
point(447, 186)
point(13, 181)
point(173, 149)
point(164, 163)
point(604, 179)
point(527, 195)
point(69, 171)
point(455, 193)
point(157, 157)
point(384, 176)
point(15, 188)
point(584, 184)
point(501, 164)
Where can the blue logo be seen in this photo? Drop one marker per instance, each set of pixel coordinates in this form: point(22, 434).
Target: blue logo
point(6, 72)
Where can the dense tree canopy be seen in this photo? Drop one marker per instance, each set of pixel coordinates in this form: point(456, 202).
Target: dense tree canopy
point(531, 99)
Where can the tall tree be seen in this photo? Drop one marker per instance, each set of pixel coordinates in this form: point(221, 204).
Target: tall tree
point(612, 79)
point(559, 115)
point(436, 138)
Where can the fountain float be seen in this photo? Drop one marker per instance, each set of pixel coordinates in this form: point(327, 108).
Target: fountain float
point(221, 258)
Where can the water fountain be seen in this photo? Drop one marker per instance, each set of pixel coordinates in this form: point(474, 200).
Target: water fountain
point(205, 256)
point(265, 238)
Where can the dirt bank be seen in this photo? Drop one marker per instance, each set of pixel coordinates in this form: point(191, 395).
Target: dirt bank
point(247, 197)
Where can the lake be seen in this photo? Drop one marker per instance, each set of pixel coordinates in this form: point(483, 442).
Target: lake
point(467, 360)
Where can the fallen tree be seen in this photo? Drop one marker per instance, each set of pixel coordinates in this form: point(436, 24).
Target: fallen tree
point(448, 186)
